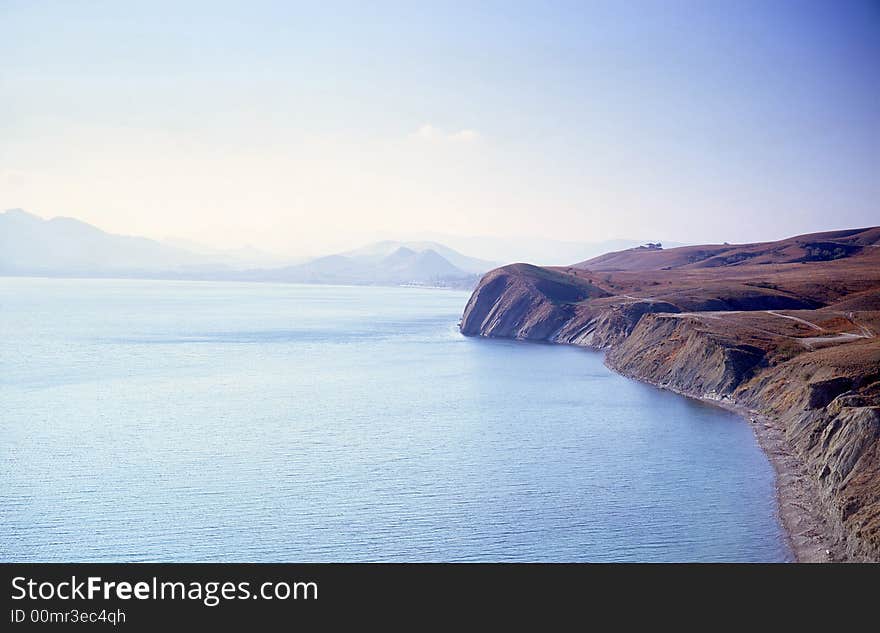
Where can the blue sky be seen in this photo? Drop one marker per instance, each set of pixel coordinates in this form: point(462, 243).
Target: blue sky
point(303, 127)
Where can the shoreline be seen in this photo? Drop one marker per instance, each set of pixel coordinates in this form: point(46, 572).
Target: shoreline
point(797, 497)
point(798, 505)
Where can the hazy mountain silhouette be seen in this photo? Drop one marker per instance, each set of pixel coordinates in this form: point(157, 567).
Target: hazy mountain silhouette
point(66, 247)
point(463, 262)
point(31, 245)
point(402, 266)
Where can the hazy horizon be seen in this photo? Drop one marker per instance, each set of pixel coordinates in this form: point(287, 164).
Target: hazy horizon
point(479, 241)
point(302, 130)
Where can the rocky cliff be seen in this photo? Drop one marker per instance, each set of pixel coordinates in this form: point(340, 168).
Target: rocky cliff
point(792, 339)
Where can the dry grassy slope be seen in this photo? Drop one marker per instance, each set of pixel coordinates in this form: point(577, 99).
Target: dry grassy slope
point(803, 248)
point(792, 337)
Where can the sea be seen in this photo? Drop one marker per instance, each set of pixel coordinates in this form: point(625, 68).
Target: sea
point(188, 421)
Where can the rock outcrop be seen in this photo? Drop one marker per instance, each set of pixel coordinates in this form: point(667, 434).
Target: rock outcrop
point(794, 341)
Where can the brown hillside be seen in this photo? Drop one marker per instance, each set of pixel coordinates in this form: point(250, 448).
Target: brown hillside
point(789, 330)
point(826, 246)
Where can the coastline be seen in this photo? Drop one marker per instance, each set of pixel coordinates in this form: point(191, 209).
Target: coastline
point(800, 512)
point(767, 326)
point(809, 537)
point(797, 497)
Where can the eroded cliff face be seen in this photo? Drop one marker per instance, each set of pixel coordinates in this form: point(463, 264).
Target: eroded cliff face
point(825, 400)
point(828, 402)
point(815, 371)
point(676, 352)
point(525, 302)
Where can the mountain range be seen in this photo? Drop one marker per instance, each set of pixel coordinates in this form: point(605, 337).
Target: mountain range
point(67, 247)
point(401, 266)
point(31, 245)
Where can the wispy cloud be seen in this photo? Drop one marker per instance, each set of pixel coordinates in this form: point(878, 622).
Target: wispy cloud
point(431, 134)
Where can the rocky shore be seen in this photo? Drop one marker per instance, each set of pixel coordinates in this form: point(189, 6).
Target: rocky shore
point(789, 342)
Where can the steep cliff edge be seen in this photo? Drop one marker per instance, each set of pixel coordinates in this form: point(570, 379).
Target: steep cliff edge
point(525, 301)
point(794, 341)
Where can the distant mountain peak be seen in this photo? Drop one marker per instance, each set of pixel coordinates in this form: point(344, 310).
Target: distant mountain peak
point(21, 214)
point(401, 253)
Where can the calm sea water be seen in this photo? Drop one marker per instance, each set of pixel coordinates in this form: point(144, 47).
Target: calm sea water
point(186, 421)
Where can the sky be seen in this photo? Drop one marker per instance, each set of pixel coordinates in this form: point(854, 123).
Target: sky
point(301, 128)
